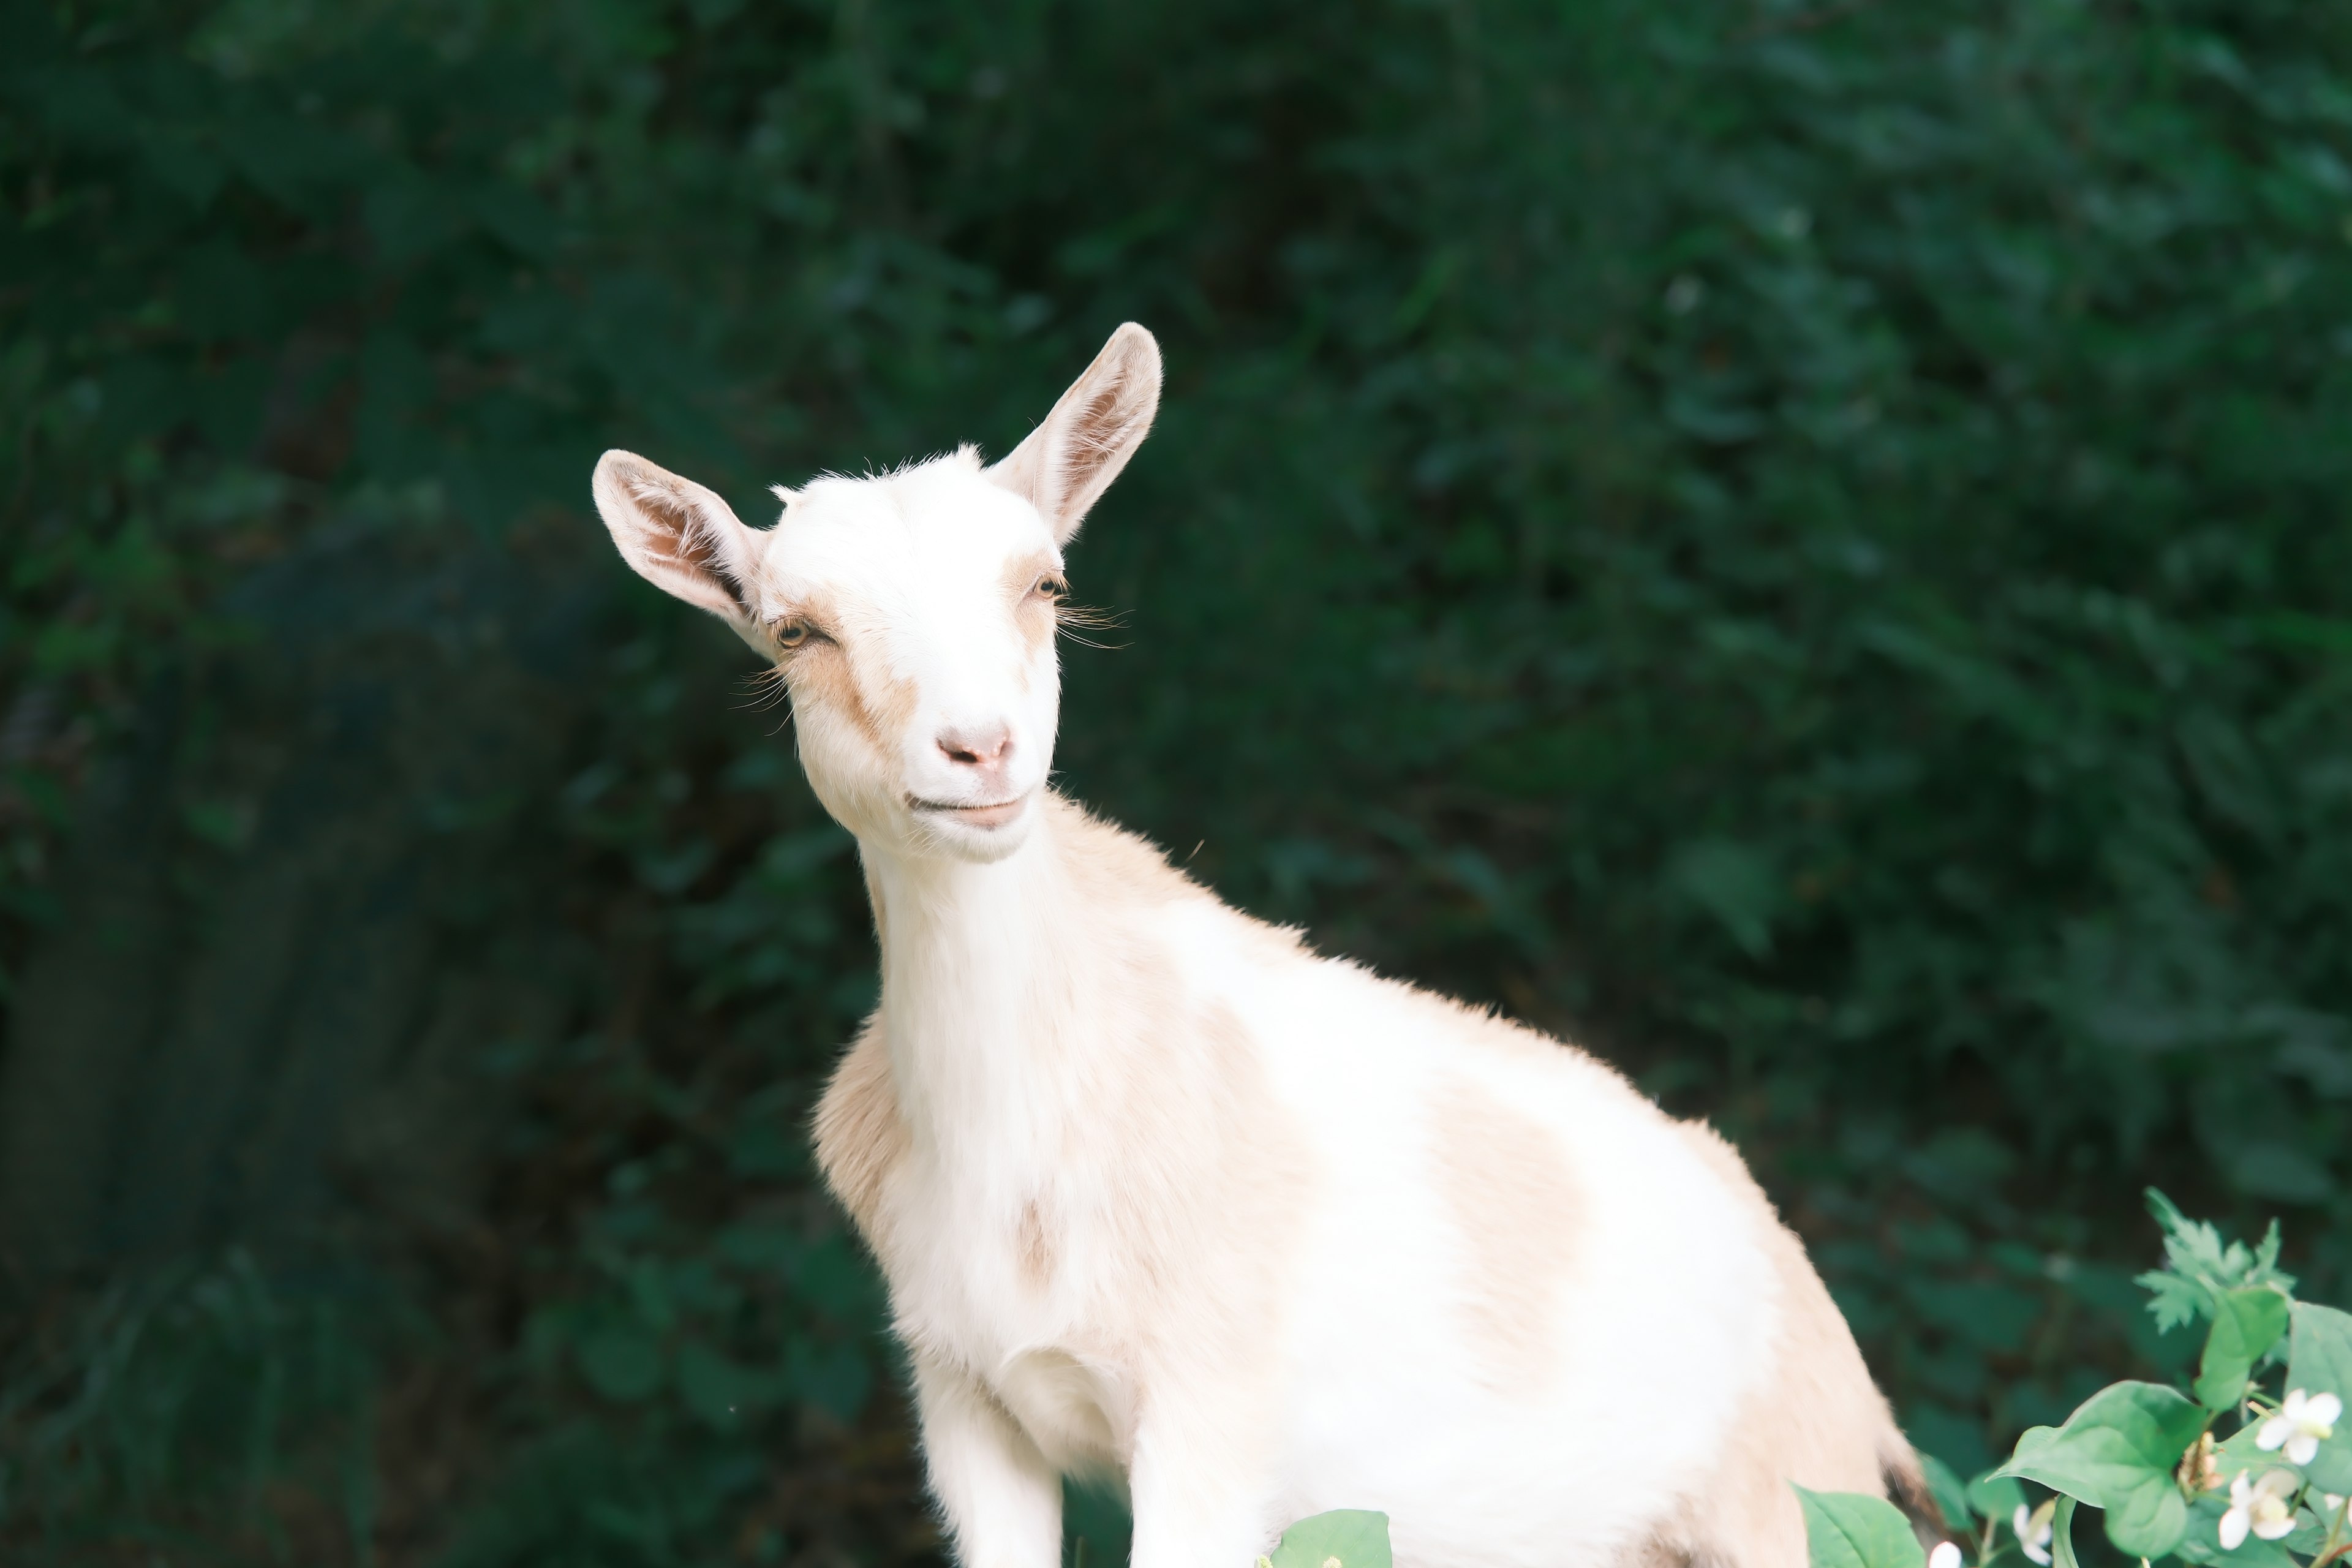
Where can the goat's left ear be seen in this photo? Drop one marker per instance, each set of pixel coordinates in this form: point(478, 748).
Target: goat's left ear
point(679, 536)
point(1069, 460)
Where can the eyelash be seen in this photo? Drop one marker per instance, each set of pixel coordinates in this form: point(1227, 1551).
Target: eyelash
point(1050, 586)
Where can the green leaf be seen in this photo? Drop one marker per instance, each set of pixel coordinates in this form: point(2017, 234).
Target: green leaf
point(2117, 1452)
point(2174, 1302)
point(2028, 1441)
point(2246, 1324)
point(2062, 1536)
point(2199, 1266)
point(1996, 1496)
point(1950, 1493)
point(2150, 1521)
point(2310, 1536)
point(2241, 1454)
point(1850, 1530)
point(2319, 1361)
point(1352, 1537)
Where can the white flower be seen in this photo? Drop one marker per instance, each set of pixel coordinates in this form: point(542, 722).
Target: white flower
point(2302, 1425)
point(2033, 1531)
point(1945, 1556)
point(2266, 1508)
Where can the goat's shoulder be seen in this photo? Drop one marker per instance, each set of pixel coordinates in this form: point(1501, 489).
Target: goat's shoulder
point(860, 1133)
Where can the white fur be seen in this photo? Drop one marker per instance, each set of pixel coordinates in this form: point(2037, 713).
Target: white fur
point(1162, 1196)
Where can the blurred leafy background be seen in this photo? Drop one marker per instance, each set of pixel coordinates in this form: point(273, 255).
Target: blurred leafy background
point(1801, 542)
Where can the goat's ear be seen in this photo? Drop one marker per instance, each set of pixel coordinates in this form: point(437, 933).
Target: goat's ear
point(1070, 459)
point(678, 535)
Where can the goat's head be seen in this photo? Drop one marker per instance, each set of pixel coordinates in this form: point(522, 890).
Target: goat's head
point(912, 615)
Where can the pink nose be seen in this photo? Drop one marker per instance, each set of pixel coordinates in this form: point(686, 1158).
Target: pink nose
point(982, 750)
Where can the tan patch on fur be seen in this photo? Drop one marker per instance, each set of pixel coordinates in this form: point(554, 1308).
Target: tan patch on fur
point(1670, 1545)
point(860, 1135)
point(1515, 1202)
point(1209, 1182)
point(885, 716)
point(1035, 1247)
point(1230, 1180)
point(833, 673)
point(820, 675)
point(1819, 1420)
point(1034, 617)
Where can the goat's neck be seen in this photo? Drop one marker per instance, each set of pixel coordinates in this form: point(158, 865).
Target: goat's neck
point(981, 973)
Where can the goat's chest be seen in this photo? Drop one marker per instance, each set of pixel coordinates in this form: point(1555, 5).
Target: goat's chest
point(1011, 1292)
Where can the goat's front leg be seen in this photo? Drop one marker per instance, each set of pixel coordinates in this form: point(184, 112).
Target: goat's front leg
point(1002, 1502)
point(1198, 1489)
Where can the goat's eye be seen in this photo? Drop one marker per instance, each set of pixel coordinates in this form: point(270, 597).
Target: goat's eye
point(1050, 586)
point(792, 633)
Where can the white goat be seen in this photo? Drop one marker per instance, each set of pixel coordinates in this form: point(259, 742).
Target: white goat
point(1165, 1196)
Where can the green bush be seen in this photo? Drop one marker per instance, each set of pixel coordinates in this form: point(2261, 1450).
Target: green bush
point(2247, 1467)
point(1802, 546)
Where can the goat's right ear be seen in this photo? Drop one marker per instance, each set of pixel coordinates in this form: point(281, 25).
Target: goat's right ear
point(678, 535)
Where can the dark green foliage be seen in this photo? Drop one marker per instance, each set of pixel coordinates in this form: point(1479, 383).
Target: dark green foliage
point(2201, 1271)
point(1805, 547)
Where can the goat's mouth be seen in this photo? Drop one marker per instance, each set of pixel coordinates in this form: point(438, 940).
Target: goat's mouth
point(995, 816)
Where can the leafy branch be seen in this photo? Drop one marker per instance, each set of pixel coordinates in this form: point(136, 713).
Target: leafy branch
point(2245, 1465)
